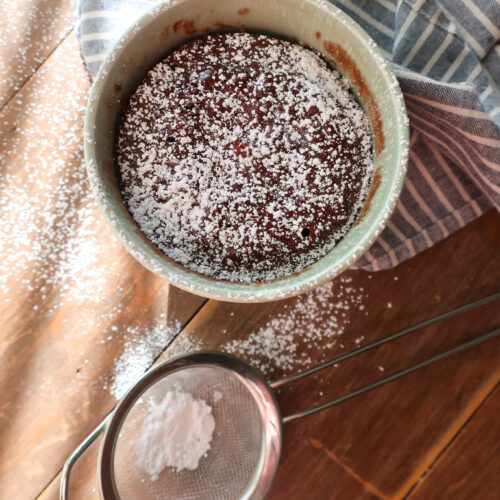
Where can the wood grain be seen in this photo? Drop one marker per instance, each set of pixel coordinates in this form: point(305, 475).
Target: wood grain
point(31, 30)
point(67, 319)
point(469, 467)
point(73, 299)
point(378, 445)
point(390, 437)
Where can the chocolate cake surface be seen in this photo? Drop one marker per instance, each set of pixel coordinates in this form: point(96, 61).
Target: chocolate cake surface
point(244, 157)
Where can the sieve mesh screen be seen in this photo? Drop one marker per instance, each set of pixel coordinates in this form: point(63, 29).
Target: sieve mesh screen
point(234, 459)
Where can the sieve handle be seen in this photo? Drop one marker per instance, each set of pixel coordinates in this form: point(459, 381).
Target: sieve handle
point(81, 448)
point(462, 347)
point(402, 333)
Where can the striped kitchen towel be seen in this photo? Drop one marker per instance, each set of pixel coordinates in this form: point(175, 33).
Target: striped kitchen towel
point(446, 55)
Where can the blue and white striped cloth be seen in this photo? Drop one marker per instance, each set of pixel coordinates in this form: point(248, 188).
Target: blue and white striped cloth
point(446, 55)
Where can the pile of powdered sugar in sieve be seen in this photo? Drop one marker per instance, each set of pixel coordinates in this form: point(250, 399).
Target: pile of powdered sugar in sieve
point(178, 429)
point(176, 432)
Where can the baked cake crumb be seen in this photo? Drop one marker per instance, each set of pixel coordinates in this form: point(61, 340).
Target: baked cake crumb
point(244, 157)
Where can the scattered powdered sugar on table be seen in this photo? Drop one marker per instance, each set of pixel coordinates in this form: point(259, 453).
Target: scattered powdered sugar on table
point(143, 346)
point(177, 433)
point(50, 227)
point(307, 329)
point(313, 322)
point(184, 345)
point(30, 31)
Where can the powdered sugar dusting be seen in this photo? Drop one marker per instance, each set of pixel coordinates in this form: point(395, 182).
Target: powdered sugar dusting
point(261, 182)
point(305, 331)
point(184, 345)
point(30, 31)
point(142, 347)
point(49, 226)
point(176, 432)
point(143, 344)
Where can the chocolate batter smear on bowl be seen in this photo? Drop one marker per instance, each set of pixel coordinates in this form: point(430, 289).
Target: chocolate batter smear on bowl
point(244, 157)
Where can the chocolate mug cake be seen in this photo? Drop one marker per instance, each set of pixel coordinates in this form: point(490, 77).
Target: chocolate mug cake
point(244, 157)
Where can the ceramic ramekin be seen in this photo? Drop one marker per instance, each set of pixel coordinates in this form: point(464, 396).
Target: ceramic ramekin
point(312, 22)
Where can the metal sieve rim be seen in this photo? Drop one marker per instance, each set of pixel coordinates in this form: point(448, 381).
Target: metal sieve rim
point(263, 396)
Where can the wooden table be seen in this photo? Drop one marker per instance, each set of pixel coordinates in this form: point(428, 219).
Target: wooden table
point(73, 300)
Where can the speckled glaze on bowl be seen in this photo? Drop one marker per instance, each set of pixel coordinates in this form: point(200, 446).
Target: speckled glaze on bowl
point(312, 22)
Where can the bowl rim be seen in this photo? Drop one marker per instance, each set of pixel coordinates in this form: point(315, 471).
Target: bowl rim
point(287, 286)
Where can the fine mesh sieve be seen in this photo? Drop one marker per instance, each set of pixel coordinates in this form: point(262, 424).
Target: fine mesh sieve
point(245, 445)
point(245, 448)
